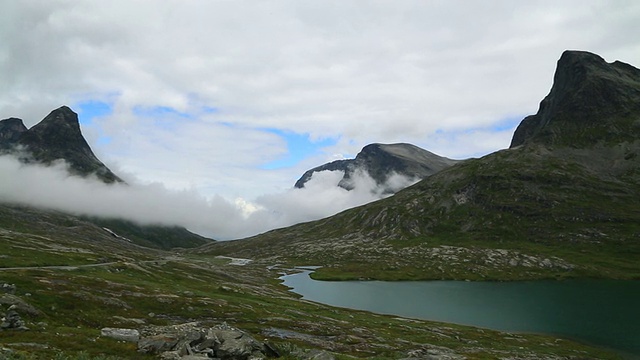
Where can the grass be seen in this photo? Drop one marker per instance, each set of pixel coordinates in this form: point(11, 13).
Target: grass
point(76, 304)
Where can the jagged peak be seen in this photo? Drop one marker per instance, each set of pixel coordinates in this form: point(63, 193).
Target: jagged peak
point(589, 98)
point(10, 131)
point(62, 116)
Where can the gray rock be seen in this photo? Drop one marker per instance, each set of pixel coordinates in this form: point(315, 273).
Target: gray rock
point(192, 341)
point(129, 335)
point(20, 305)
point(234, 344)
point(158, 344)
point(8, 288)
point(319, 355)
point(12, 321)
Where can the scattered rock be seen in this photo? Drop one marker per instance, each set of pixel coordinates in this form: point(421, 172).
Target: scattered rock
point(21, 305)
point(8, 288)
point(12, 320)
point(319, 355)
point(193, 341)
point(432, 352)
point(129, 335)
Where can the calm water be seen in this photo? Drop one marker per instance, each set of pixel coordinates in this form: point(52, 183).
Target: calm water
point(601, 312)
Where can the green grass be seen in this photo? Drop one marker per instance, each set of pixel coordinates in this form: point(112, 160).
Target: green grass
point(76, 304)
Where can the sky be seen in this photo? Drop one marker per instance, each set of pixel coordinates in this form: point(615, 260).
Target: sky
point(228, 103)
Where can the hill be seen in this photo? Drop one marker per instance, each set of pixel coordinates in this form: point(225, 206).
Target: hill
point(561, 202)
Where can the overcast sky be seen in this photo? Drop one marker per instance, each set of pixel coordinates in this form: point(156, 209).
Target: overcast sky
point(234, 100)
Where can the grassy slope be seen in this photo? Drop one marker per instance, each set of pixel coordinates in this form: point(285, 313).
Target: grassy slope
point(578, 209)
point(160, 288)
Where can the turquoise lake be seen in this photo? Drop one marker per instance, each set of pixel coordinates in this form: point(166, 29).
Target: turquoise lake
point(600, 312)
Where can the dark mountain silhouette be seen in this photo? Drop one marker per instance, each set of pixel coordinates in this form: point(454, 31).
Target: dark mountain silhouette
point(56, 137)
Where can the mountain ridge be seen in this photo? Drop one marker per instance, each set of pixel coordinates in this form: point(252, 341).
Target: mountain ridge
point(380, 161)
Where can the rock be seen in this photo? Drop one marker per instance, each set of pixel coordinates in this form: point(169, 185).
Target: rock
point(319, 355)
point(234, 344)
point(158, 344)
point(433, 352)
point(193, 341)
point(8, 288)
point(21, 305)
point(12, 321)
point(129, 335)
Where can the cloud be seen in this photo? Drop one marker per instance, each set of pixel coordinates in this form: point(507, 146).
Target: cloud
point(52, 187)
point(423, 72)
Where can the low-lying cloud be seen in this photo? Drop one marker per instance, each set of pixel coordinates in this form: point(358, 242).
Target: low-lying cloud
point(52, 187)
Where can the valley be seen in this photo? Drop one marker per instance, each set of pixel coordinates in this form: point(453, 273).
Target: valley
point(67, 301)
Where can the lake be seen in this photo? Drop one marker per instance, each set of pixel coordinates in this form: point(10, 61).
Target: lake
point(600, 312)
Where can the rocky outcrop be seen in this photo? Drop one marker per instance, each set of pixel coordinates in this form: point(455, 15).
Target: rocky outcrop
point(56, 137)
point(10, 131)
point(12, 321)
point(591, 101)
point(193, 341)
point(381, 161)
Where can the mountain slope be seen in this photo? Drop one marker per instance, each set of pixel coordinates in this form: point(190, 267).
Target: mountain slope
point(561, 202)
point(381, 161)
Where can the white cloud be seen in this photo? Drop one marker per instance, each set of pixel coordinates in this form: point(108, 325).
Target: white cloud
point(52, 187)
point(438, 74)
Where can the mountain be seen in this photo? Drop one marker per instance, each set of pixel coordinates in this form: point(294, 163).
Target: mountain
point(591, 102)
point(381, 161)
point(10, 131)
point(562, 201)
point(57, 136)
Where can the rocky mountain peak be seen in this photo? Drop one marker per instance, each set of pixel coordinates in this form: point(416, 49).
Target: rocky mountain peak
point(57, 136)
point(382, 160)
point(590, 101)
point(10, 131)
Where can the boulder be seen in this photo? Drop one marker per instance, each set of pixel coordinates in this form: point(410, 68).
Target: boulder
point(129, 335)
point(193, 341)
point(12, 321)
point(8, 288)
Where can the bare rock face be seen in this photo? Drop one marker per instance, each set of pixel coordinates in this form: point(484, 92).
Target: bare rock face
point(381, 161)
point(591, 101)
point(56, 137)
point(10, 131)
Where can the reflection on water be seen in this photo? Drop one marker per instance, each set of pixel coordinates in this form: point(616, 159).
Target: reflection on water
point(602, 312)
